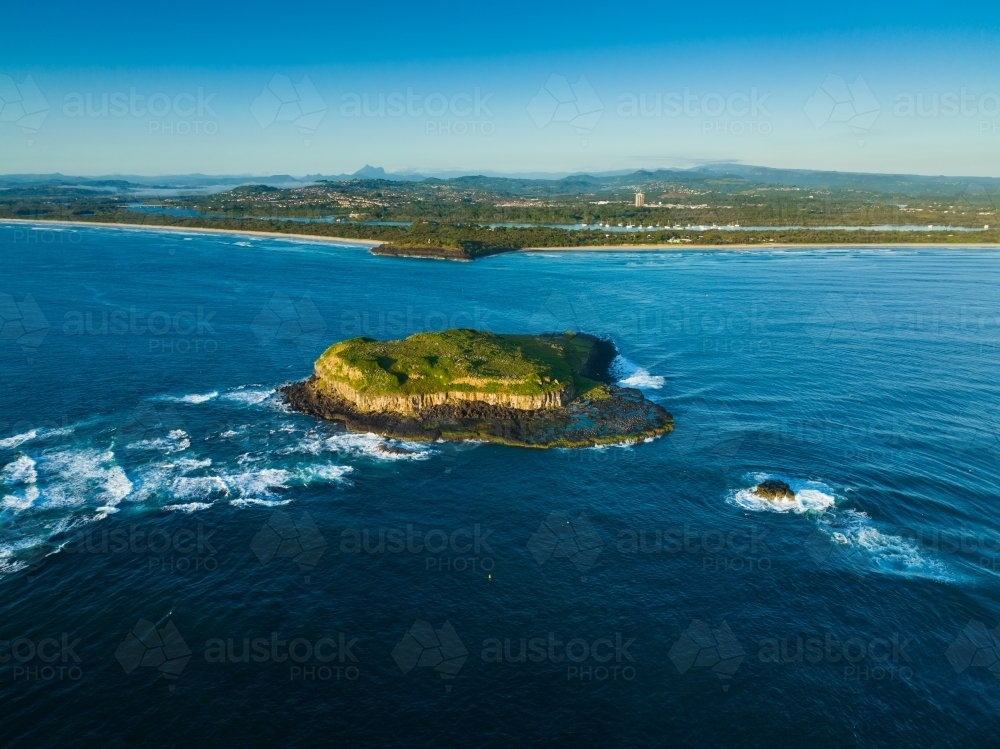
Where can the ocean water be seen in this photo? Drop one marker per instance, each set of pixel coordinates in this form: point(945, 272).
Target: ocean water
point(185, 561)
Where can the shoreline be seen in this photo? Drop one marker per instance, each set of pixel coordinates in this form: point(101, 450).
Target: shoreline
point(371, 243)
point(195, 229)
point(767, 246)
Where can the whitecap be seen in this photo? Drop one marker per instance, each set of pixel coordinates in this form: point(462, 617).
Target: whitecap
point(177, 440)
point(364, 445)
point(854, 535)
point(259, 502)
point(197, 398)
point(21, 471)
point(328, 472)
point(116, 486)
point(631, 375)
point(262, 482)
point(190, 464)
point(198, 487)
point(18, 439)
point(188, 507)
point(249, 396)
point(22, 501)
point(846, 534)
point(73, 477)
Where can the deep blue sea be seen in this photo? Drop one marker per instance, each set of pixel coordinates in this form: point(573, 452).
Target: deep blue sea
point(184, 562)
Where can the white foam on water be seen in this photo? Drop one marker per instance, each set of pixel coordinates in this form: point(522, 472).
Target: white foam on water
point(328, 472)
point(198, 487)
point(857, 537)
point(852, 533)
point(177, 440)
point(242, 244)
point(249, 396)
point(259, 502)
point(257, 483)
point(188, 507)
point(631, 375)
point(18, 439)
point(20, 502)
point(73, 477)
point(21, 471)
point(116, 487)
point(197, 398)
point(810, 496)
point(190, 464)
point(360, 445)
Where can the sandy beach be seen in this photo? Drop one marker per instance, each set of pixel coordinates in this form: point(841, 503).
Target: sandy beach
point(368, 243)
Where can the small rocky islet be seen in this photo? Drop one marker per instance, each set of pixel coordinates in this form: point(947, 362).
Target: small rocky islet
point(774, 490)
point(552, 390)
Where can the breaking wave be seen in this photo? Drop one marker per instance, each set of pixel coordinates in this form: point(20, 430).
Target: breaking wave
point(631, 375)
point(843, 535)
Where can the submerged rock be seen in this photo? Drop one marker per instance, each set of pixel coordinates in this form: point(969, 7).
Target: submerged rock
point(775, 490)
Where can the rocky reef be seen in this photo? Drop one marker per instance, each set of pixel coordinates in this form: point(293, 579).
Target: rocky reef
point(532, 391)
point(775, 491)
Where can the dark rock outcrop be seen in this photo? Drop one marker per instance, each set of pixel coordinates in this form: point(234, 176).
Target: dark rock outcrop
point(774, 489)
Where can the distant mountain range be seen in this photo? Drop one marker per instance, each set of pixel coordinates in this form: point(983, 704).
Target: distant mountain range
point(735, 176)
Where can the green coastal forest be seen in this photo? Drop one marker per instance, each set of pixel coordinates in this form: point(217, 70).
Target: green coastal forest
point(468, 217)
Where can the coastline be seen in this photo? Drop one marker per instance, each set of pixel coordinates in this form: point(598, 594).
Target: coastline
point(371, 243)
point(195, 229)
point(766, 246)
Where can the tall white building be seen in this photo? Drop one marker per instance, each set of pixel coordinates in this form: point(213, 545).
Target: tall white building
point(640, 200)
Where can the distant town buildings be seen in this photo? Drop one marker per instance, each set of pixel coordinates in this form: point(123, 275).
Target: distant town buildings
point(640, 200)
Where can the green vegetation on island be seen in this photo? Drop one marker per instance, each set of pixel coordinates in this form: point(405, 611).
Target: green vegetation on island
point(537, 391)
point(462, 360)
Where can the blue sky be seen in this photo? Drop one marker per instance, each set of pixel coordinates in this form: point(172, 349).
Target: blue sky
point(258, 89)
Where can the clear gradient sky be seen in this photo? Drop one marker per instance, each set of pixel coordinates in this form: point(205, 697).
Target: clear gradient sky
point(304, 88)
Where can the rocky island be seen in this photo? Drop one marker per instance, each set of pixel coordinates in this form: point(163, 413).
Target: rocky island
point(775, 490)
point(530, 391)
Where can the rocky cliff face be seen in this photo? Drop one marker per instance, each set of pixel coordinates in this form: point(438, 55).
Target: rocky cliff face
point(327, 380)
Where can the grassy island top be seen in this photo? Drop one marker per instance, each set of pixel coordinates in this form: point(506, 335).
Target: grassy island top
point(461, 360)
